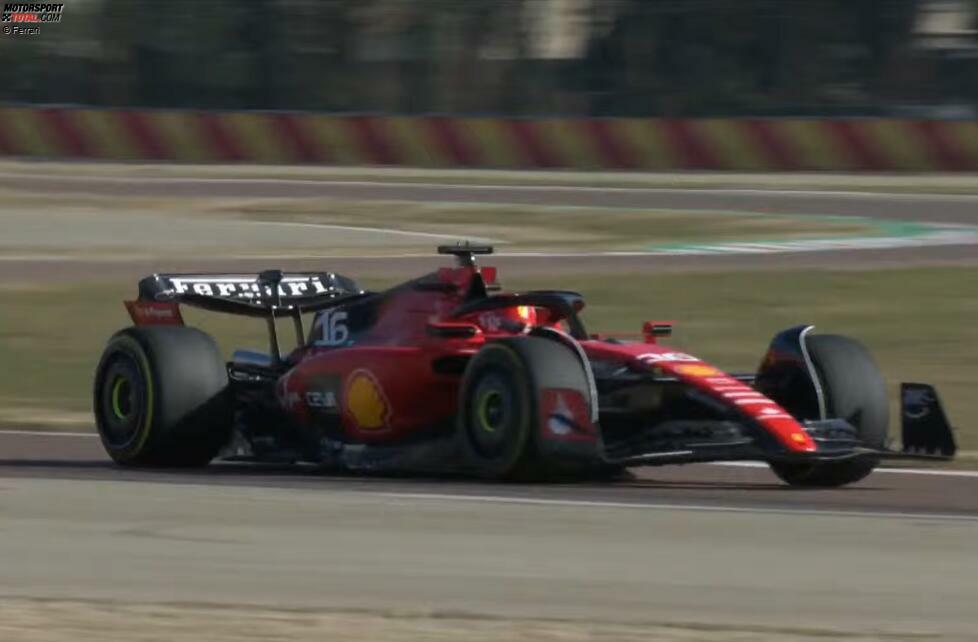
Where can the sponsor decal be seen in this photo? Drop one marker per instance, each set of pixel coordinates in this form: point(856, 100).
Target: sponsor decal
point(334, 330)
point(365, 401)
point(737, 394)
point(742, 395)
point(247, 288)
point(560, 421)
point(320, 392)
point(154, 313)
point(656, 357)
point(769, 413)
point(490, 321)
point(697, 370)
point(917, 402)
point(325, 399)
point(726, 381)
point(287, 397)
point(564, 415)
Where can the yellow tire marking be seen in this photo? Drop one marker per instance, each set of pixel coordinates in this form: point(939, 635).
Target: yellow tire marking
point(147, 426)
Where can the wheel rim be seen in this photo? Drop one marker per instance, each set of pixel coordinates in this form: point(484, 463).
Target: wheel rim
point(492, 415)
point(491, 411)
point(121, 401)
point(121, 398)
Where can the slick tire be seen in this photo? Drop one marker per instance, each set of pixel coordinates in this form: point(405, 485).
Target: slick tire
point(161, 397)
point(498, 417)
point(854, 390)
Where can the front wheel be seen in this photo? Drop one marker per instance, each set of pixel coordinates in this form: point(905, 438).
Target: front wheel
point(854, 390)
point(161, 397)
point(520, 399)
point(496, 413)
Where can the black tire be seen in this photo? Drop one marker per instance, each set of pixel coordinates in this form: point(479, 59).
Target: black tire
point(854, 390)
point(498, 415)
point(161, 397)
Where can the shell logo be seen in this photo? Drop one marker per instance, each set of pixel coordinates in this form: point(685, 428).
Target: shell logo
point(698, 370)
point(365, 401)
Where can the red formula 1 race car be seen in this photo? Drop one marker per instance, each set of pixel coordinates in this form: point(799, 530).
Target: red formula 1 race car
point(447, 374)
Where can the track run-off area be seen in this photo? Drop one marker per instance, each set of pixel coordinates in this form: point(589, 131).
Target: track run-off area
point(706, 552)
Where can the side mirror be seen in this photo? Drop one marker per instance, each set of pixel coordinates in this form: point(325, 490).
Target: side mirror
point(652, 330)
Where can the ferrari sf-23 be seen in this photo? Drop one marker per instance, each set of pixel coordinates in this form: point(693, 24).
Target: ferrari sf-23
point(446, 374)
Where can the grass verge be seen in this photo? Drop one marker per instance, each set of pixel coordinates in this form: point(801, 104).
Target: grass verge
point(920, 324)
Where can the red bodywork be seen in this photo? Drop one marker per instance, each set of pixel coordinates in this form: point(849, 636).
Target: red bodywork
point(377, 384)
point(386, 385)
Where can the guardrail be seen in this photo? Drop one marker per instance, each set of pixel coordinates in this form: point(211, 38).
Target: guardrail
point(783, 144)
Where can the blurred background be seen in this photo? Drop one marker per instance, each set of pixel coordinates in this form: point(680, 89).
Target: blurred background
point(738, 166)
point(223, 90)
point(682, 58)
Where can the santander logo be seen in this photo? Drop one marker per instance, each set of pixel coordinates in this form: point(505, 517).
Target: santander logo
point(155, 313)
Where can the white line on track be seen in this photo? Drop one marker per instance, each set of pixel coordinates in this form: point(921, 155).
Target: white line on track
point(375, 230)
point(55, 258)
point(704, 508)
point(735, 464)
point(724, 191)
point(663, 254)
point(46, 433)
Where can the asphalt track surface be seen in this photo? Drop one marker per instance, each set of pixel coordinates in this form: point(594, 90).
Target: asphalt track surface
point(713, 546)
point(728, 548)
point(932, 208)
point(940, 493)
point(901, 206)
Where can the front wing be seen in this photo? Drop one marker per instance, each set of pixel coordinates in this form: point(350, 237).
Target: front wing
point(926, 435)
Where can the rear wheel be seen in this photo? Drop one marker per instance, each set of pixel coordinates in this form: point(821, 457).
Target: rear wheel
point(161, 397)
point(854, 390)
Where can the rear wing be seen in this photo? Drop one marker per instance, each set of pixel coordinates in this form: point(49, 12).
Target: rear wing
point(253, 295)
point(264, 295)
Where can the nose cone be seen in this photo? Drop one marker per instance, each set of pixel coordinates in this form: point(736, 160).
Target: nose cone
point(747, 401)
